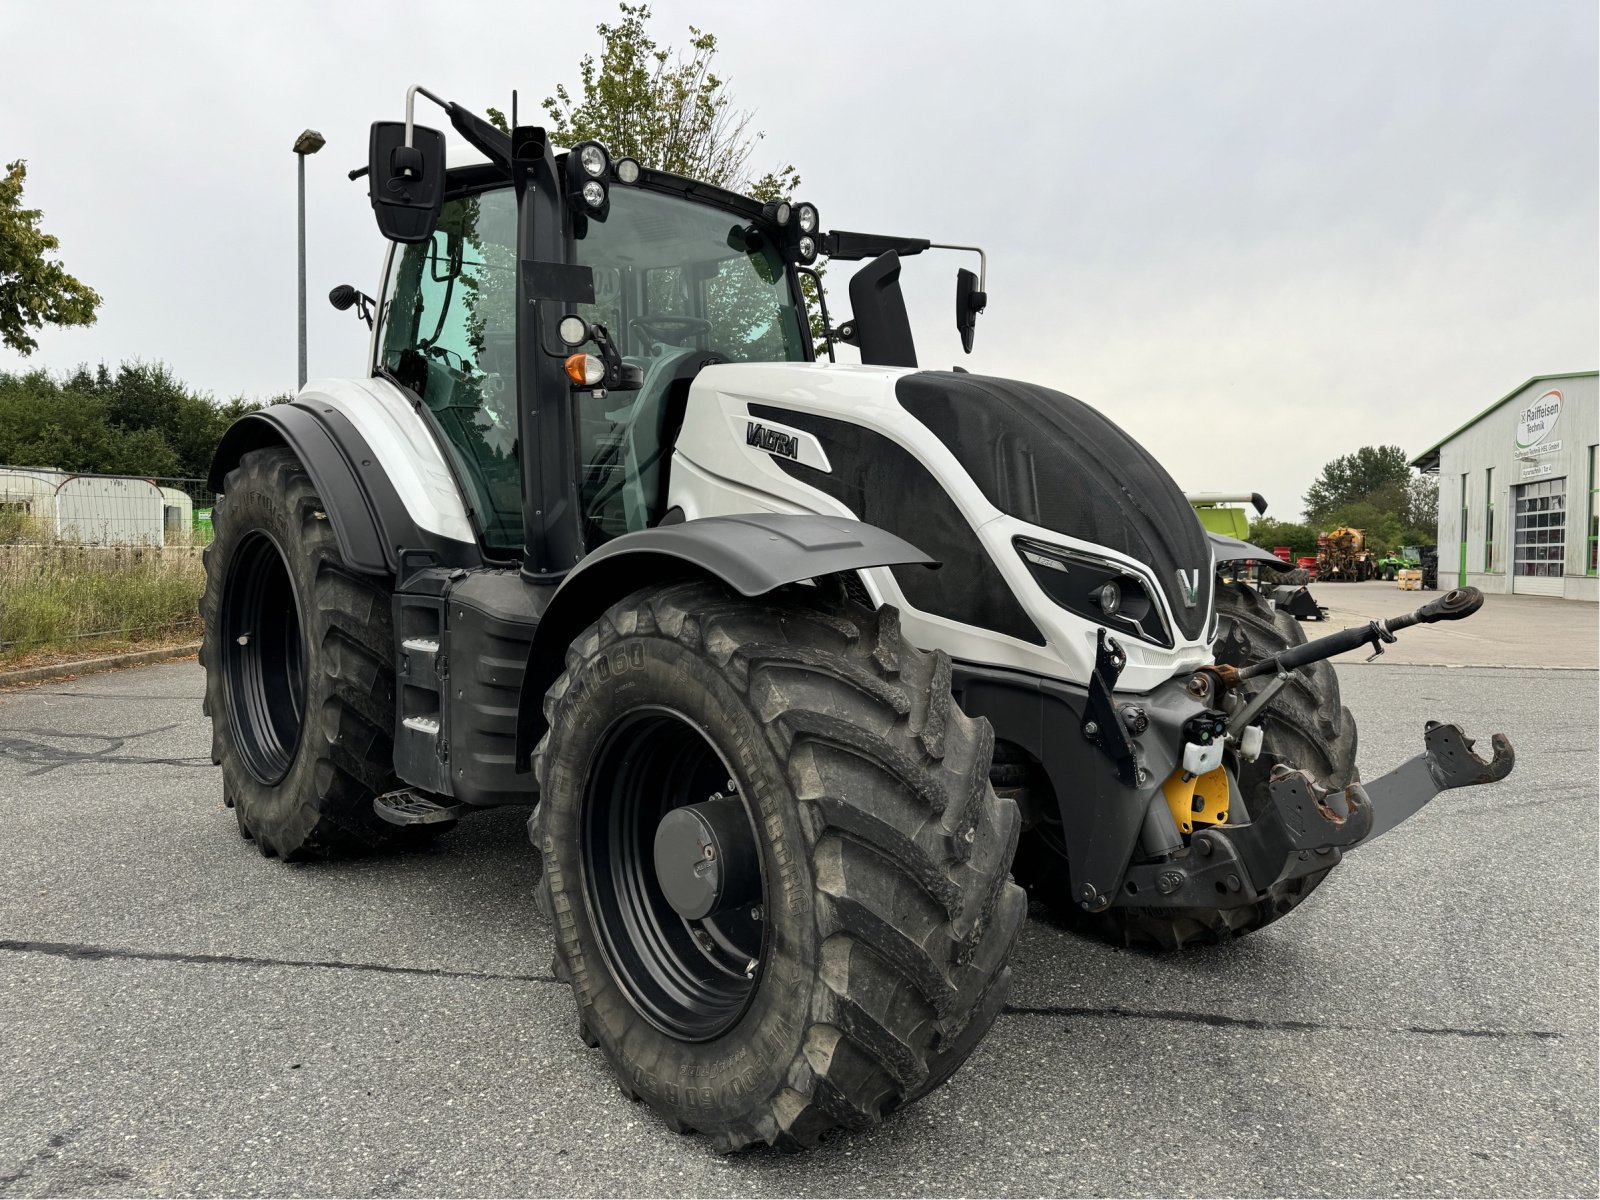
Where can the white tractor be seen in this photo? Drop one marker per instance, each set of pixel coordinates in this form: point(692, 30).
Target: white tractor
point(796, 662)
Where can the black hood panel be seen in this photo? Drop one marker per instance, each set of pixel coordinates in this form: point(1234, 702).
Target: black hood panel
point(1043, 457)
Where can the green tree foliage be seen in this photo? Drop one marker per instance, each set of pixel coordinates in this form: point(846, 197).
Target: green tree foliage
point(671, 110)
point(35, 290)
point(1373, 490)
point(137, 421)
point(666, 107)
point(1358, 476)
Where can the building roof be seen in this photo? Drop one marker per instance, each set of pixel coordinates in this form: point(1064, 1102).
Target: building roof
point(1428, 460)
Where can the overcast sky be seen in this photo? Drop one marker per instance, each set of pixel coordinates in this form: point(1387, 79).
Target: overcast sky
point(1256, 234)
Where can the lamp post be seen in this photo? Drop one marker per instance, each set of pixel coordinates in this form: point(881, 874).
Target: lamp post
point(307, 143)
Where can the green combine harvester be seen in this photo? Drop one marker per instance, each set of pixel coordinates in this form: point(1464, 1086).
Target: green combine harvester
point(1219, 514)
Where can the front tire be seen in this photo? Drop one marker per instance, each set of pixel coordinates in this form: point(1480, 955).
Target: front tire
point(299, 674)
point(875, 905)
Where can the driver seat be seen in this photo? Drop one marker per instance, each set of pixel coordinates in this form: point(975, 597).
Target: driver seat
point(652, 431)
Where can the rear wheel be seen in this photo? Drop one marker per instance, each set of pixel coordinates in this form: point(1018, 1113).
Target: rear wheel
point(776, 869)
point(1306, 727)
point(299, 675)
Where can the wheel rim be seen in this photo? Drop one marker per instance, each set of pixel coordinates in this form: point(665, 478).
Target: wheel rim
point(263, 658)
point(693, 979)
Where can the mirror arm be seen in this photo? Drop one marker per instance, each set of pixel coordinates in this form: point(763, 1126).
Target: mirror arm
point(411, 103)
point(983, 262)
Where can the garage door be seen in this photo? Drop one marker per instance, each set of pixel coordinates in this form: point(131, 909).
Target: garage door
point(1541, 537)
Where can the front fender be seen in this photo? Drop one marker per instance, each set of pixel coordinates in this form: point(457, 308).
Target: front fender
point(753, 553)
point(1231, 549)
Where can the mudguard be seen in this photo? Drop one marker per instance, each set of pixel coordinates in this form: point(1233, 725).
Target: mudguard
point(1228, 549)
point(370, 521)
point(752, 553)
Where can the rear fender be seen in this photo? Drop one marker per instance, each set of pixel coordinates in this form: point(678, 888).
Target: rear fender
point(752, 553)
point(374, 528)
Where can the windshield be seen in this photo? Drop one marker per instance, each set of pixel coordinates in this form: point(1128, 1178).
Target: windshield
point(676, 284)
point(669, 272)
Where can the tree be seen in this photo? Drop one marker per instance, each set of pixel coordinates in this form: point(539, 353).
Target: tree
point(1422, 508)
point(1357, 477)
point(665, 107)
point(671, 111)
point(35, 290)
point(139, 420)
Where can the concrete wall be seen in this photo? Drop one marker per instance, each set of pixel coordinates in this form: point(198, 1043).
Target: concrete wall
point(1492, 442)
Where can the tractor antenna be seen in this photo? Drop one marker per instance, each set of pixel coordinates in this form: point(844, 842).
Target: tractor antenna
point(513, 108)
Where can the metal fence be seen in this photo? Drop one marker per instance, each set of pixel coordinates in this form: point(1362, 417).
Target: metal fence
point(80, 508)
point(87, 557)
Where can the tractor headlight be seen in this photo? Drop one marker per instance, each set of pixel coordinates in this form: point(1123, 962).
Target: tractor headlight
point(594, 193)
point(592, 159)
point(1096, 589)
point(806, 217)
point(808, 250)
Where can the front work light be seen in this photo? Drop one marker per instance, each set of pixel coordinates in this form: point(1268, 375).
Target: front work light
point(627, 170)
point(592, 159)
point(776, 211)
point(573, 330)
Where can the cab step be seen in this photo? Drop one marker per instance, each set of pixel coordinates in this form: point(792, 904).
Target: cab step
point(411, 807)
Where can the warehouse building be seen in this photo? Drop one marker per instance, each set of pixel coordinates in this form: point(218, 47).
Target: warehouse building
point(1517, 505)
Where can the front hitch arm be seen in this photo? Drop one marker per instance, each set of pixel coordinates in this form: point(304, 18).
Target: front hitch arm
point(1307, 827)
point(1306, 819)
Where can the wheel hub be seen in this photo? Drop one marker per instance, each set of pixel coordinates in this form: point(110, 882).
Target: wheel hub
point(706, 860)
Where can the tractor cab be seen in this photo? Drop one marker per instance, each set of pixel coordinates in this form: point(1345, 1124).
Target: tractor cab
point(627, 282)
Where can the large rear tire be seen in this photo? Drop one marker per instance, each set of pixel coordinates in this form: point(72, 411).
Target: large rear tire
point(298, 654)
point(1306, 727)
point(864, 953)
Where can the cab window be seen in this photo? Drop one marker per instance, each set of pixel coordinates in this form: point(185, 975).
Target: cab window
point(449, 335)
point(676, 283)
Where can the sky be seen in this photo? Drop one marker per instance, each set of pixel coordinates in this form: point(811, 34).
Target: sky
point(1255, 234)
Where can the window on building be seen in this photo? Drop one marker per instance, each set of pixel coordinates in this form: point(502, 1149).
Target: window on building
point(1541, 529)
point(1594, 510)
point(1488, 519)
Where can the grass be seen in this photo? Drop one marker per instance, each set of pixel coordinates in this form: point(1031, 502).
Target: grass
point(60, 597)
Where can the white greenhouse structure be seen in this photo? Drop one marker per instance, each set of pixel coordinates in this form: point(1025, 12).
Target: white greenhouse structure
point(98, 510)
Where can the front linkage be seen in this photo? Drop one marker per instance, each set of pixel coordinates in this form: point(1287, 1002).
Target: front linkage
point(1306, 828)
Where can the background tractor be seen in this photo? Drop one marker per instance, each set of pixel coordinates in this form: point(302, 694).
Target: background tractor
point(594, 533)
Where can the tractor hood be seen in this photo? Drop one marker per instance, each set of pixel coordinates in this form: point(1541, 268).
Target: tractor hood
point(1043, 457)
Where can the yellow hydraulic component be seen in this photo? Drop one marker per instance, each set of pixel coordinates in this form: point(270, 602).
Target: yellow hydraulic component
point(1202, 800)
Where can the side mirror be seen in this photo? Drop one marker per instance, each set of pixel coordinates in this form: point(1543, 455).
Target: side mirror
point(406, 183)
point(969, 303)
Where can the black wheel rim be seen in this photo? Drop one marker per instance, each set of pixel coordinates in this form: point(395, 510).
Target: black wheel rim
point(691, 979)
point(263, 658)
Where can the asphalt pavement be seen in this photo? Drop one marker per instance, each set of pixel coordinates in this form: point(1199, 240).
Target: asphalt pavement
point(180, 1015)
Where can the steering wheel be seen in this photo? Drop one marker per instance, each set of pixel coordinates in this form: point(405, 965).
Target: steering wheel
point(666, 323)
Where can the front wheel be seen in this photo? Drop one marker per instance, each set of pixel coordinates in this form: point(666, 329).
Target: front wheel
point(775, 867)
